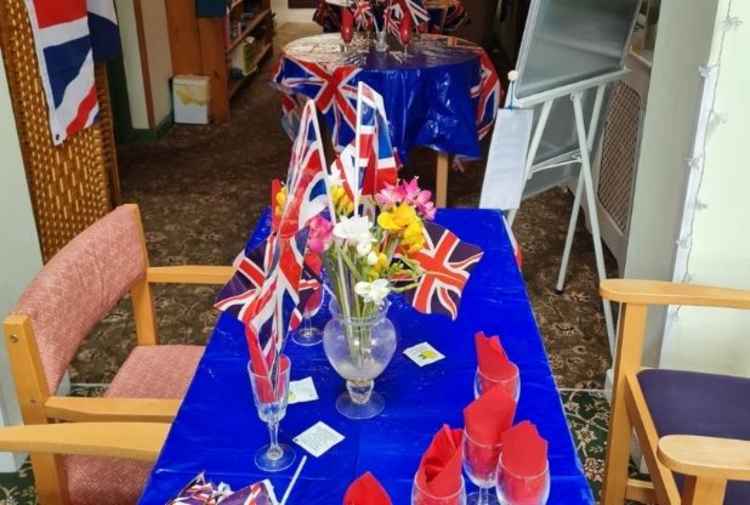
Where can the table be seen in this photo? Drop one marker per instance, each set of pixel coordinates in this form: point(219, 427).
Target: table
point(217, 428)
point(444, 94)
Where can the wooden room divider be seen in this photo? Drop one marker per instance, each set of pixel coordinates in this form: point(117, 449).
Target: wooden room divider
point(71, 185)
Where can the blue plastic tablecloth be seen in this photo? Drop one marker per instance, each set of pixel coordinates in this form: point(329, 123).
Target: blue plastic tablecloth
point(217, 429)
point(432, 96)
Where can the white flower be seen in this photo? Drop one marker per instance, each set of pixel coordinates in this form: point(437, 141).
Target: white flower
point(364, 248)
point(373, 292)
point(335, 178)
point(372, 258)
point(354, 231)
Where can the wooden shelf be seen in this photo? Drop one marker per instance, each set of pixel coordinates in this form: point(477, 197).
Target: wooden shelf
point(235, 84)
point(254, 22)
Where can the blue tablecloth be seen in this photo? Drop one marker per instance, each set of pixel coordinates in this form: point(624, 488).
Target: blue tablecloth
point(217, 429)
point(444, 94)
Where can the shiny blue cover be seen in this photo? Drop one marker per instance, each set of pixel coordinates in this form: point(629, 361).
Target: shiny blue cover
point(427, 94)
point(217, 428)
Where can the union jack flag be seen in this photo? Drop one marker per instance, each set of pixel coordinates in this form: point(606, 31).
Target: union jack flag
point(376, 160)
point(334, 93)
point(446, 262)
point(63, 42)
point(396, 10)
point(363, 14)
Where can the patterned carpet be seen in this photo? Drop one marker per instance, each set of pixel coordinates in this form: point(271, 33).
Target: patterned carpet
point(200, 190)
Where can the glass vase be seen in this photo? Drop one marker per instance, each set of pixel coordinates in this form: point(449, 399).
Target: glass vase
point(359, 349)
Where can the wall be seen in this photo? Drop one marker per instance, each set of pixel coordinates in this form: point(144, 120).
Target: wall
point(286, 15)
point(710, 339)
point(20, 257)
point(158, 55)
point(684, 43)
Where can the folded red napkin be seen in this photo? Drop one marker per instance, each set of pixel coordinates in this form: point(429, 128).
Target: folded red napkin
point(489, 416)
point(524, 451)
point(439, 473)
point(366, 490)
point(493, 363)
point(524, 479)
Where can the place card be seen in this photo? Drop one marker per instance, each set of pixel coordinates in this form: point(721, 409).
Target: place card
point(302, 391)
point(423, 354)
point(318, 438)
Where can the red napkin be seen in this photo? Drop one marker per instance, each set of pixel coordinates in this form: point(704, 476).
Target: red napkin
point(493, 363)
point(525, 459)
point(486, 418)
point(439, 472)
point(366, 491)
point(489, 416)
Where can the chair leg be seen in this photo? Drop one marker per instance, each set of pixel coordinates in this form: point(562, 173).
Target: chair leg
point(618, 455)
point(703, 491)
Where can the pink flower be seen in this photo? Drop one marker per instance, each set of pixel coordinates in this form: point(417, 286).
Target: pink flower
point(320, 236)
point(389, 196)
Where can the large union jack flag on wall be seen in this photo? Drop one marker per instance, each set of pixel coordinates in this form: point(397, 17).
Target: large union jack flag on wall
point(66, 53)
point(447, 262)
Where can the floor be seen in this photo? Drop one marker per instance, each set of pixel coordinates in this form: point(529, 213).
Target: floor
point(201, 189)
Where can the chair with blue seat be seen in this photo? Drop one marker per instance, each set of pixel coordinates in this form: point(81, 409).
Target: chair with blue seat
point(697, 451)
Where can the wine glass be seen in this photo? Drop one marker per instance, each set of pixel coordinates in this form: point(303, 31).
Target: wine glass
point(420, 496)
point(511, 385)
point(308, 335)
point(271, 404)
point(480, 464)
point(347, 26)
point(405, 31)
point(515, 489)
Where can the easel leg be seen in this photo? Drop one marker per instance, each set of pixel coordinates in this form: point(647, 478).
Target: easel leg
point(588, 187)
point(595, 113)
point(536, 140)
point(441, 179)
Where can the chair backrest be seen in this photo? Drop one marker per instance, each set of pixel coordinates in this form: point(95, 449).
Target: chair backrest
point(80, 285)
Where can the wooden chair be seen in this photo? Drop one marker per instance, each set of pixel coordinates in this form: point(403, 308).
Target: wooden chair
point(74, 291)
point(693, 428)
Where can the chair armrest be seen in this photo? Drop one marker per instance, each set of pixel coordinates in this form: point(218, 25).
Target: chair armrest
point(643, 292)
point(75, 409)
point(140, 441)
point(190, 274)
point(718, 458)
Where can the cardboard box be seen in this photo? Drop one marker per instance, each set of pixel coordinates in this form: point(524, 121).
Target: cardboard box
point(191, 97)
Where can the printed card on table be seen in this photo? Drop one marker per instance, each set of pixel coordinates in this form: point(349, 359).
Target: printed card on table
point(318, 439)
point(423, 354)
point(302, 391)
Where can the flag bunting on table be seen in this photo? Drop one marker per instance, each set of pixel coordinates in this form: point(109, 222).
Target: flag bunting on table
point(447, 262)
point(376, 161)
point(69, 37)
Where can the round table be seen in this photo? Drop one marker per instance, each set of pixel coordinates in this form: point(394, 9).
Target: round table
point(443, 93)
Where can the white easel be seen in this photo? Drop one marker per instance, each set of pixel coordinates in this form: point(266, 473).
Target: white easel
point(582, 155)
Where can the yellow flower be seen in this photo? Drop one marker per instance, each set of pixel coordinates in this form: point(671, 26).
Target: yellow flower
point(280, 200)
point(341, 201)
point(398, 219)
point(413, 240)
point(380, 266)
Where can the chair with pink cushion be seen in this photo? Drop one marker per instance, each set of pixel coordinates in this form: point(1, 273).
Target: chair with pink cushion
point(63, 303)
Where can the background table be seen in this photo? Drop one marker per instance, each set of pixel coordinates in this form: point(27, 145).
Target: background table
point(217, 429)
point(444, 94)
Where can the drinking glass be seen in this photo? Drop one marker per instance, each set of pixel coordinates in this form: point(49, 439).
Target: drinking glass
point(515, 489)
point(421, 497)
point(511, 385)
point(308, 335)
point(480, 465)
point(271, 404)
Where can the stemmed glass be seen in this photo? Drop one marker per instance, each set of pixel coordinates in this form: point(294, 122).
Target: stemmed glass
point(480, 464)
point(308, 335)
point(420, 496)
point(511, 385)
point(515, 489)
point(271, 405)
